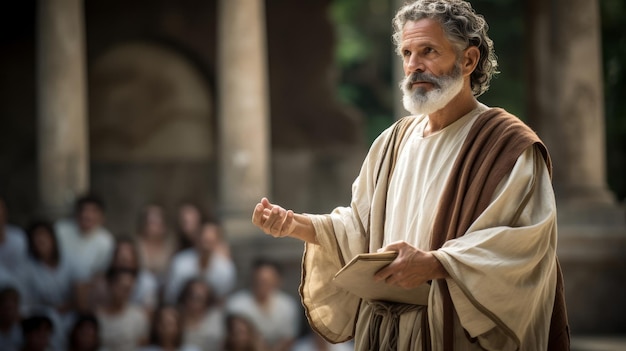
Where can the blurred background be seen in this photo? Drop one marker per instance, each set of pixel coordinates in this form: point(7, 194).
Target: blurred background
point(220, 102)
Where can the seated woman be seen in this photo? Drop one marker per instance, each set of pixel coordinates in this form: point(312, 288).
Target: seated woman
point(166, 332)
point(126, 256)
point(84, 334)
point(49, 278)
point(202, 319)
point(155, 243)
point(241, 335)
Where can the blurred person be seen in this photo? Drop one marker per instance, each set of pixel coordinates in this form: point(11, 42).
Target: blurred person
point(84, 236)
point(189, 219)
point(10, 317)
point(274, 313)
point(49, 277)
point(206, 259)
point(37, 332)
point(166, 332)
point(156, 244)
point(202, 318)
point(12, 242)
point(84, 334)
point(241, 335)
point(459, 191)
point(123, 325)
point(126, 256)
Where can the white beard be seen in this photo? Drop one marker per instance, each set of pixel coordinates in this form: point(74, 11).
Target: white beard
point(417, 101)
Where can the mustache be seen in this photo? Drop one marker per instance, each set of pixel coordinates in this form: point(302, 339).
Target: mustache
point(415, 77)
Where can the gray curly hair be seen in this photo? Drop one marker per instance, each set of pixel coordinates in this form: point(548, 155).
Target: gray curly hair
point(462, 25)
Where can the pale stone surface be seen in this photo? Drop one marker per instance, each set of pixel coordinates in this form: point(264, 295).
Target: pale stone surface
point(62, 130)
point(567, 102)
point(242, 109)
point(566, 108)
point(149, 103)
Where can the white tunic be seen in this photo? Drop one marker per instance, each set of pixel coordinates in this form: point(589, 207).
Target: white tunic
point(502, 275)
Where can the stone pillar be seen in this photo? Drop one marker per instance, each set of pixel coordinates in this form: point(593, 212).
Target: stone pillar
point(61, 102)
point(243, 112)
point(566, 95)
point(566, 108)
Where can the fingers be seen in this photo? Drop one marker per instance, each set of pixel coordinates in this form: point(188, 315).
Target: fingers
point(395, 246)
point(272, 219)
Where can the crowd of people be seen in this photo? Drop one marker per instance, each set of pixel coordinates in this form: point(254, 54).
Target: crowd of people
point(73, 285)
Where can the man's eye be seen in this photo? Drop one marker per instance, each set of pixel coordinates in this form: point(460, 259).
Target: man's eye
point(428, 50)
point(406, 53)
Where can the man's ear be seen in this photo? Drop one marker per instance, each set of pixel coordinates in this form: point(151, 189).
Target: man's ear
point(471, 55)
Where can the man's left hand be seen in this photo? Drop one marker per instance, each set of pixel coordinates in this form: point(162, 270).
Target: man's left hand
point(412, 268)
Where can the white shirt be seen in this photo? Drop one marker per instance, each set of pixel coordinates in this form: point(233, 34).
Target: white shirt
point(279, 321)
point(209, 335)
point(123, 332)
point(91, 251)
point(220, 274)
point(47, 286)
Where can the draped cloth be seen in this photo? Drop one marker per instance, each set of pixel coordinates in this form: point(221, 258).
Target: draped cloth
point(487, 159)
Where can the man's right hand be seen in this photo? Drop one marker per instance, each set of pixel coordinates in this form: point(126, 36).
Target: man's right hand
point(278, 222)
point(273, 219)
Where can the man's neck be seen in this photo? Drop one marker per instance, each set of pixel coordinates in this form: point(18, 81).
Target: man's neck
point(458, 107)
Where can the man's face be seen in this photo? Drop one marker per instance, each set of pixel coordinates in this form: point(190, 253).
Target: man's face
point(90, 217)
point(266, 281)
point(209, 238)
point(432, 70)
point(122, 286)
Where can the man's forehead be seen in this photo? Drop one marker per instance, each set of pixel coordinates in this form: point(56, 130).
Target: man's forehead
point(425, 29)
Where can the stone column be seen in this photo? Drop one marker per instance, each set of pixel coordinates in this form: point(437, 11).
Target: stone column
point(243, 109)
point(566, 95)
point(61, 102)
point(566, 108)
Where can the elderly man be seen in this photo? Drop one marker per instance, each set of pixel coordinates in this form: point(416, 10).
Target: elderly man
point(461, 192)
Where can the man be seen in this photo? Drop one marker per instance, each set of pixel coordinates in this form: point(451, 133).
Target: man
point(462, 192)
point(273, 312)
point(84, 237)
point(209, 259)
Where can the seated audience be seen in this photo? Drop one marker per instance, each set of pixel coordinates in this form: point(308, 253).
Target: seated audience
point(10, 328)
point(84, 335)
point(241, 335)
point(155, 242)
point(123, 325)
point(207, 259)
point(274, 313)
point(202, 319)
point(166, 332)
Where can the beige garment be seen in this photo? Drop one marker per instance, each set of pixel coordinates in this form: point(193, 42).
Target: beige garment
point(502, 277)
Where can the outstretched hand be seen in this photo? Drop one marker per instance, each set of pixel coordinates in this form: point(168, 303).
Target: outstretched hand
point(273, 219)
point(411, 268)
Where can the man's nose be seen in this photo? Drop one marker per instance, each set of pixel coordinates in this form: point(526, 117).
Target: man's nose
point(414, 64)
